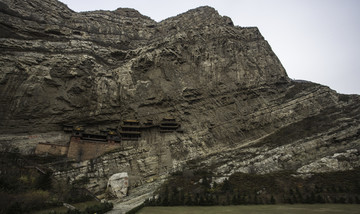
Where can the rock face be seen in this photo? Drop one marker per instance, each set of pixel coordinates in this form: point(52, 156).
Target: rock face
point(118, 184)
point(223, 83)
point(61, 67)
point(348, 160)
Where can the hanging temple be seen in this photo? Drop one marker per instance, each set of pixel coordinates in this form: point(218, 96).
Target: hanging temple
point(84, 145)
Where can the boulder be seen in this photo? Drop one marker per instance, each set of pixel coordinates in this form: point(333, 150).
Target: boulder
point(118, 184)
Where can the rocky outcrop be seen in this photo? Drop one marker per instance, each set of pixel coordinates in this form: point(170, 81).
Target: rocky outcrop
point(237, 107)
point(146, 161)
point(348, 160)
point(118, 184)
point(99, 67)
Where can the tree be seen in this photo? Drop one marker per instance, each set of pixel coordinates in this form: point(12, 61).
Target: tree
point(174, 197)
point(189, 201)
point(272, 200)
point(165, 201)
point(43, 181)
point(226, 187)
point(342, 200)
point(357, 200)
point(228, 201)
point(158, 201)
point(256, 201)
point(202, 201)
point(217, 200)
point(62, 189)
point(299, 195)
point(319, 199)
point(214, 185)
point(182, 198)
point(234, 200)
point(244, 199)
point(211, 200)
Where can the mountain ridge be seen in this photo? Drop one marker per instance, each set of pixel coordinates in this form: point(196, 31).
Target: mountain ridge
point(238, 109)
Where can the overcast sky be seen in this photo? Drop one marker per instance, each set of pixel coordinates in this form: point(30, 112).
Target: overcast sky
point(316, 40)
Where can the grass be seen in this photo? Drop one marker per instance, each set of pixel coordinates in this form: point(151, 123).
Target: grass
point(258, 209)
point(80, 206)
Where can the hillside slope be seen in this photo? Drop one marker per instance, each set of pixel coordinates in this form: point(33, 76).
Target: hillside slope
point(239, 110)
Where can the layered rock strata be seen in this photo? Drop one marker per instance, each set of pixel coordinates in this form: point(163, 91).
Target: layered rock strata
point(238, 108)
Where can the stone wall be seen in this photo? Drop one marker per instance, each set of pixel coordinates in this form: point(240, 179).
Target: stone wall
point(53, 149)
point(80, 150)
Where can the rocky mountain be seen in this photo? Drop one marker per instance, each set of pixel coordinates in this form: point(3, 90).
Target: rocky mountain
point(239, 110)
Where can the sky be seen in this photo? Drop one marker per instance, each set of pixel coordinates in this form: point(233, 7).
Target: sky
point(315, 40)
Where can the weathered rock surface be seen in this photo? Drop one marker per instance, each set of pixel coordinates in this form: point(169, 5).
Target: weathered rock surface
point(118, 184)
point(237, 106)
point(99, 67)
point(348, 160)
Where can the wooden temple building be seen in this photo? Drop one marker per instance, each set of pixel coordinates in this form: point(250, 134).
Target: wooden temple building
point(130, 130)
point(85, 146)
point(169, 125)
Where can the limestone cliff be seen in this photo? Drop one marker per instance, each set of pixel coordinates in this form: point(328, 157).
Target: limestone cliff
point(98, 67)
point(237, 106)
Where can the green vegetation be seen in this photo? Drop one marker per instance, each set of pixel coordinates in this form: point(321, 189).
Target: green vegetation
point(264, 209)
point(199, 189)
point(24, 187)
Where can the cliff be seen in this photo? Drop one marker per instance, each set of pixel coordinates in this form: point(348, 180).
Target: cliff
point(98, 67)
point(239, 110)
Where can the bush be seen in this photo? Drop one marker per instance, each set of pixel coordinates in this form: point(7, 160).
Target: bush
point(33, 200)
point(24, 202)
